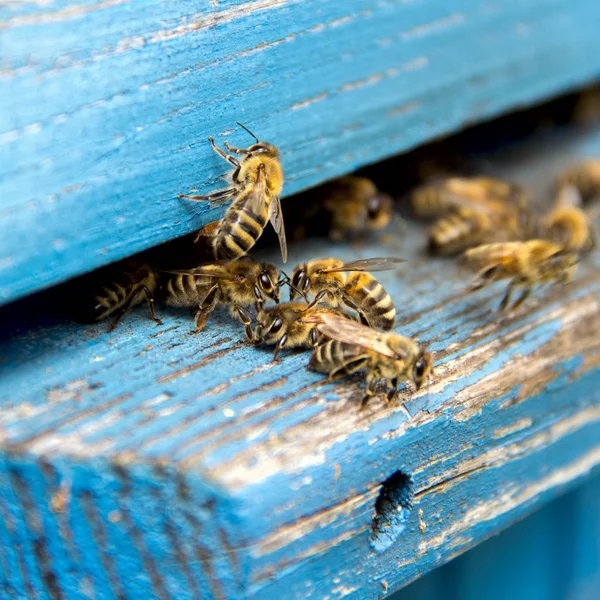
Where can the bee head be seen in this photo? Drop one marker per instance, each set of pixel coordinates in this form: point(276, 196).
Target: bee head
point(263, 148)
point(299, 283)
point(269, 325)
point(422, 368)
point(267, 282)
point(379, 210)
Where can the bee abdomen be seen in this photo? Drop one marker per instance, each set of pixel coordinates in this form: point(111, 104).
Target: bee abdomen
point(239, 231)
point(332, 355)
point(455, 233)
point(181, 290)
point(373, 300)
point(115, 294)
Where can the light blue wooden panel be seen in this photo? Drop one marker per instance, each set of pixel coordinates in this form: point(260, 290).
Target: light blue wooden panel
point(147, 463)
point(552, 555)
point(105, 106)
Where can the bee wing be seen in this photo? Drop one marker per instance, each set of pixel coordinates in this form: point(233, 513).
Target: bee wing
point(201, 271)
point(568, 195)
point(368, 264)
point(276, 218)
point(351, 332)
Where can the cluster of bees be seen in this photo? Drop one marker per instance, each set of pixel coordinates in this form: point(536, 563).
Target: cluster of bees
point(340, 310)
point(502, 237)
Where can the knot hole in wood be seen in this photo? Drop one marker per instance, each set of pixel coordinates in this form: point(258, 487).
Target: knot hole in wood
point(392, 508)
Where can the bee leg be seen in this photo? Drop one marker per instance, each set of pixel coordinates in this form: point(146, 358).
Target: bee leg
point(230, 159)
point(282, 342)
point(215, 198)
point(363, 318)
point(150, 299)
point(132, 296)
point(370, 391)
point(521, 298)
point(391, 392)
point(235, 150)
point(317, 299)
point(348, 369)
point(245, 319)
point(506, 299)
point(207, 306)
point(314, 337)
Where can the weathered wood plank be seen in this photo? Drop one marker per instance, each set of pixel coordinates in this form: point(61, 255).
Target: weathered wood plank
point(145, 463)
point(553, 553)
point(105, 106)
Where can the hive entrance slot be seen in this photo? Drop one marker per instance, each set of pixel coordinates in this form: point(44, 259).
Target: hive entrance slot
point(392, 508)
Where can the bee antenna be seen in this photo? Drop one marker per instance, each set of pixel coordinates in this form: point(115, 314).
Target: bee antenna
point(244, 127)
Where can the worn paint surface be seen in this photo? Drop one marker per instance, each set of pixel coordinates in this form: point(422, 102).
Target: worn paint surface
point(551, 555)
point(146, 463)
point(106, 105)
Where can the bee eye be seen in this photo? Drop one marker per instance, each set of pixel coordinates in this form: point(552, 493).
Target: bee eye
point(297, 278)
point(420, 368)
point(374, 206)
point(276, 326)
point(265, 281)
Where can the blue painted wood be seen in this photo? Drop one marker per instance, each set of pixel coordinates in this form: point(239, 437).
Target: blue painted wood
point(105, 106)
point(146, 463)
point(552, 554)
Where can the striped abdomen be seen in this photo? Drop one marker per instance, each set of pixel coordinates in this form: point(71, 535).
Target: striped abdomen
point(370, 296)
point(118, 292)
point(239, 230)
point(184, 290)
point(333, 355)
point(458, 231)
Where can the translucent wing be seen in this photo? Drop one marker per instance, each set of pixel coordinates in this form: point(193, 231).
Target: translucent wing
point(207, 271)
point(276, 218)
point(569, 195)
point(368, 264)
point(256, 197)
point(351, 332)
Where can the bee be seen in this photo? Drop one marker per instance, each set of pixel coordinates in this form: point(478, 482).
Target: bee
point(356, 206)
point(525, 264)
point(239, 284)
point(352, 347)
point(440, 198)
point(488, 222)
point(257, 183)
point(126, 286)
point(585, 176)
point(568, 224)
point(285, 326)
point(348, 284)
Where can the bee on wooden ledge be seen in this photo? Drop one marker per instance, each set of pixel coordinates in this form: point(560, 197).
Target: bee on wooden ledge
point(257, 183)
point(351, 347)
point(348, 208)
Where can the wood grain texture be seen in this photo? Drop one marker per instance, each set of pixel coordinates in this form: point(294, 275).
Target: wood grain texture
point(150, 464)
point(106, 105)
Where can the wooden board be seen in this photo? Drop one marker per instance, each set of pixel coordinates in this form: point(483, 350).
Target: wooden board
point(106, 105)
point(147, 463)
point(552, 553)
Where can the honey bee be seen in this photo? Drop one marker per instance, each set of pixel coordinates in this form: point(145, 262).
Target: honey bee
point(239, 284)
point(257, 183)
point(439, 198)
point(285, 326)
point(126, 286)
point(465, 227)
point(525, 264)
point(585, 176)
point(356, 206)
point(352, 347)
point(568, 224)
point(350, 284)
